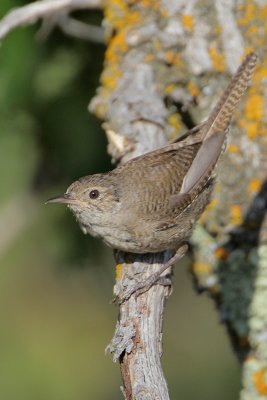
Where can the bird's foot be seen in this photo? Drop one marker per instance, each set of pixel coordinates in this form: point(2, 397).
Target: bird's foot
point(156, 278)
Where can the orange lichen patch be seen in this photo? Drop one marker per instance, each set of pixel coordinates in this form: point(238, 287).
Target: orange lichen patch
point(115, 13)
point(119, 271)
point(175, 121)
point(188, 22)
point(250, 11)
point(221, 253)
point(202, 268)
point(242, 21)
point(149, 57)
point(218, 30)
point(252, 129)
point(133, 19)
point(252, 30)
point(172, 58)
point(263, 13)
point(110, 77)
point(260, 381)
point(233, 148)
point(254, 185)
point(193, 89)
point(263, 131)
point(254, 107)
point(242, 123)
point(150, 4)
point(212, 204)
point(217, 59)
point(120, 15)
point(260, 74)
point(164, 13)
point(116, 48)
point(170, 88)
point(236, 215)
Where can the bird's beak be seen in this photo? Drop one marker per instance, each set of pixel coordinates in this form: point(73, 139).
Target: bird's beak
point(65, 199)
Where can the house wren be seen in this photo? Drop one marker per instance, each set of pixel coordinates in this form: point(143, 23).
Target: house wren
point(152, 202)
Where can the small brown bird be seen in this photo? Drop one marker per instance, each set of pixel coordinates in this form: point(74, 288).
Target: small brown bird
point(152, 202)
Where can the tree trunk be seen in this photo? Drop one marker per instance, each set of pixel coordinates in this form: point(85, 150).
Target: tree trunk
point(165, 65)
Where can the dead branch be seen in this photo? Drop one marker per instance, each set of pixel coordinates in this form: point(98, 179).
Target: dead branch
point(32, 12)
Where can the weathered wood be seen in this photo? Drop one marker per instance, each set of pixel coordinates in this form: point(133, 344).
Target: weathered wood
point(137, 342)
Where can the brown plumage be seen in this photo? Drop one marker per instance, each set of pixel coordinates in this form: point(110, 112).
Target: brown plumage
point(152, 202)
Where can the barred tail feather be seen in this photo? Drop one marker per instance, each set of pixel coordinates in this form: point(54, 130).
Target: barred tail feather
point(215, 129)
point(220, 117)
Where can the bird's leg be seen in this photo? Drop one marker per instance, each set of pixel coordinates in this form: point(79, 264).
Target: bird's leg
point(156, 277)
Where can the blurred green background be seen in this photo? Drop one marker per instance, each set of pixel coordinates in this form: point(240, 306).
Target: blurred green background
point(56, 283)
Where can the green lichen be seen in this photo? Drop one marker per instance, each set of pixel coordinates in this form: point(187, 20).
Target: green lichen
point(237, 279)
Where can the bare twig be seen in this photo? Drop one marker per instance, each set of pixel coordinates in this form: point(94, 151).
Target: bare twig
point(30, 13)
point(71, 27)
point(135, 289)
point(137, 342)
point(80, 30)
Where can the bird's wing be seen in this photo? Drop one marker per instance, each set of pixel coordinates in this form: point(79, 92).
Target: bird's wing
point(213, 134)
point(167, 167)
point(183, 168)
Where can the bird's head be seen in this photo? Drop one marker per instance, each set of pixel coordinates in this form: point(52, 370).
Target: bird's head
point(93, 199)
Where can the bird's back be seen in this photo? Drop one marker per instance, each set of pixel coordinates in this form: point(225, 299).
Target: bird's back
point(149, 182)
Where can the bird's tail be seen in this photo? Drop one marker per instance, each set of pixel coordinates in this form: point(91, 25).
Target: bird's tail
point(214, 130)
point(220, 117)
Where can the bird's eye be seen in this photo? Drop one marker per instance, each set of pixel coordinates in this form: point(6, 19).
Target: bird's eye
point(94, 194)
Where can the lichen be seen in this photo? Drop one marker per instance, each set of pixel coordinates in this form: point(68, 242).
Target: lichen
point(233, 148)
point(193, 88)
point(236, 215)
point(188, 22)
point(254, 185)
point(254, 379)
point(237, 276)
point(119, 271)
point(260, 380)
point(217, 59)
